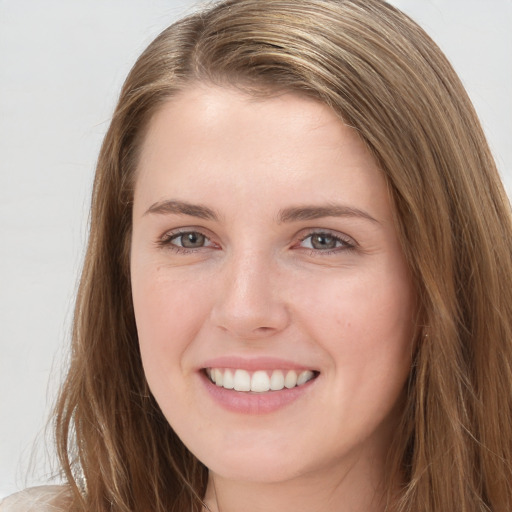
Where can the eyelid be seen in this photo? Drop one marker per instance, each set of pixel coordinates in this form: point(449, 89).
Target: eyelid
point(348, 242)
point(165, 240)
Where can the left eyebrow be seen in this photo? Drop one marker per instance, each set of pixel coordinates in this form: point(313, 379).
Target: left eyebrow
point(299, 213)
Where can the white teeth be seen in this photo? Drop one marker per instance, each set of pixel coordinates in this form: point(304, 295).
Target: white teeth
point(277, 380)
point(304, 377)
point(242, 381)
point(218, 376)
point(229, 380)
point(290, 381)
point(260, 381)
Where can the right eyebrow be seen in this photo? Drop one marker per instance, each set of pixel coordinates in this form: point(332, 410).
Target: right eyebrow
point(182, 208)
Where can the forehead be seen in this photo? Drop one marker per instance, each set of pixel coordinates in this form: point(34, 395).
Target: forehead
point(210, 140)
point(202, 111)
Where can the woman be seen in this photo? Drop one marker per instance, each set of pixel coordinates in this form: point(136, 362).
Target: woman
point(297, 291)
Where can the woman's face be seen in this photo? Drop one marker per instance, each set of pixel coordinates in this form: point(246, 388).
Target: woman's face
point(264, 257)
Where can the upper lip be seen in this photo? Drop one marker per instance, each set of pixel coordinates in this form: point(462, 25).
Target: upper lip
point(255, 363)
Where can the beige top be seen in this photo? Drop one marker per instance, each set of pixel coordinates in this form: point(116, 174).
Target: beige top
point(47, 498)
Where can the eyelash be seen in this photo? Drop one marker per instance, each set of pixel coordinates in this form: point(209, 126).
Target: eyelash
point(346, 243)
point(166, 241)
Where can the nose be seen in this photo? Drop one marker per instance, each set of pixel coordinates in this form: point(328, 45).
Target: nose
point(249, 303)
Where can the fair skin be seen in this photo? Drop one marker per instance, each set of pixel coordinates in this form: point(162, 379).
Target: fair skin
point(264, 245)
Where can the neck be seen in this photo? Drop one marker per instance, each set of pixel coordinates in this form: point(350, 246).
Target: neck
point(357, 487)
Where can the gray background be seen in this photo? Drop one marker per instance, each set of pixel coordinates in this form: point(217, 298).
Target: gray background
point(61, 67)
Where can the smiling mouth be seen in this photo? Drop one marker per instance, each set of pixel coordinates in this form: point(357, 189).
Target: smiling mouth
point(259, 381)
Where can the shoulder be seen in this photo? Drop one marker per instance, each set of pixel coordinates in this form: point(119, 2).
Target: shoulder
point(47, 498)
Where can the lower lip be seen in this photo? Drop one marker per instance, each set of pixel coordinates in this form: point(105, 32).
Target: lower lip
point(244, 402)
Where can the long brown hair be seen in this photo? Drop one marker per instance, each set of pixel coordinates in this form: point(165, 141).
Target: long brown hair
point(385, 78)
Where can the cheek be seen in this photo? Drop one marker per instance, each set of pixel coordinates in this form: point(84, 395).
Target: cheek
point(368, 305)
point(365, 325)
point(168, 315)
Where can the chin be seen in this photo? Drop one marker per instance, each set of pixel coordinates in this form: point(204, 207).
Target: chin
point(261, 470)
point(266, 461)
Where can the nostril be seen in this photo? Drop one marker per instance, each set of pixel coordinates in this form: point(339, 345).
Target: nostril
point(248, 321)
